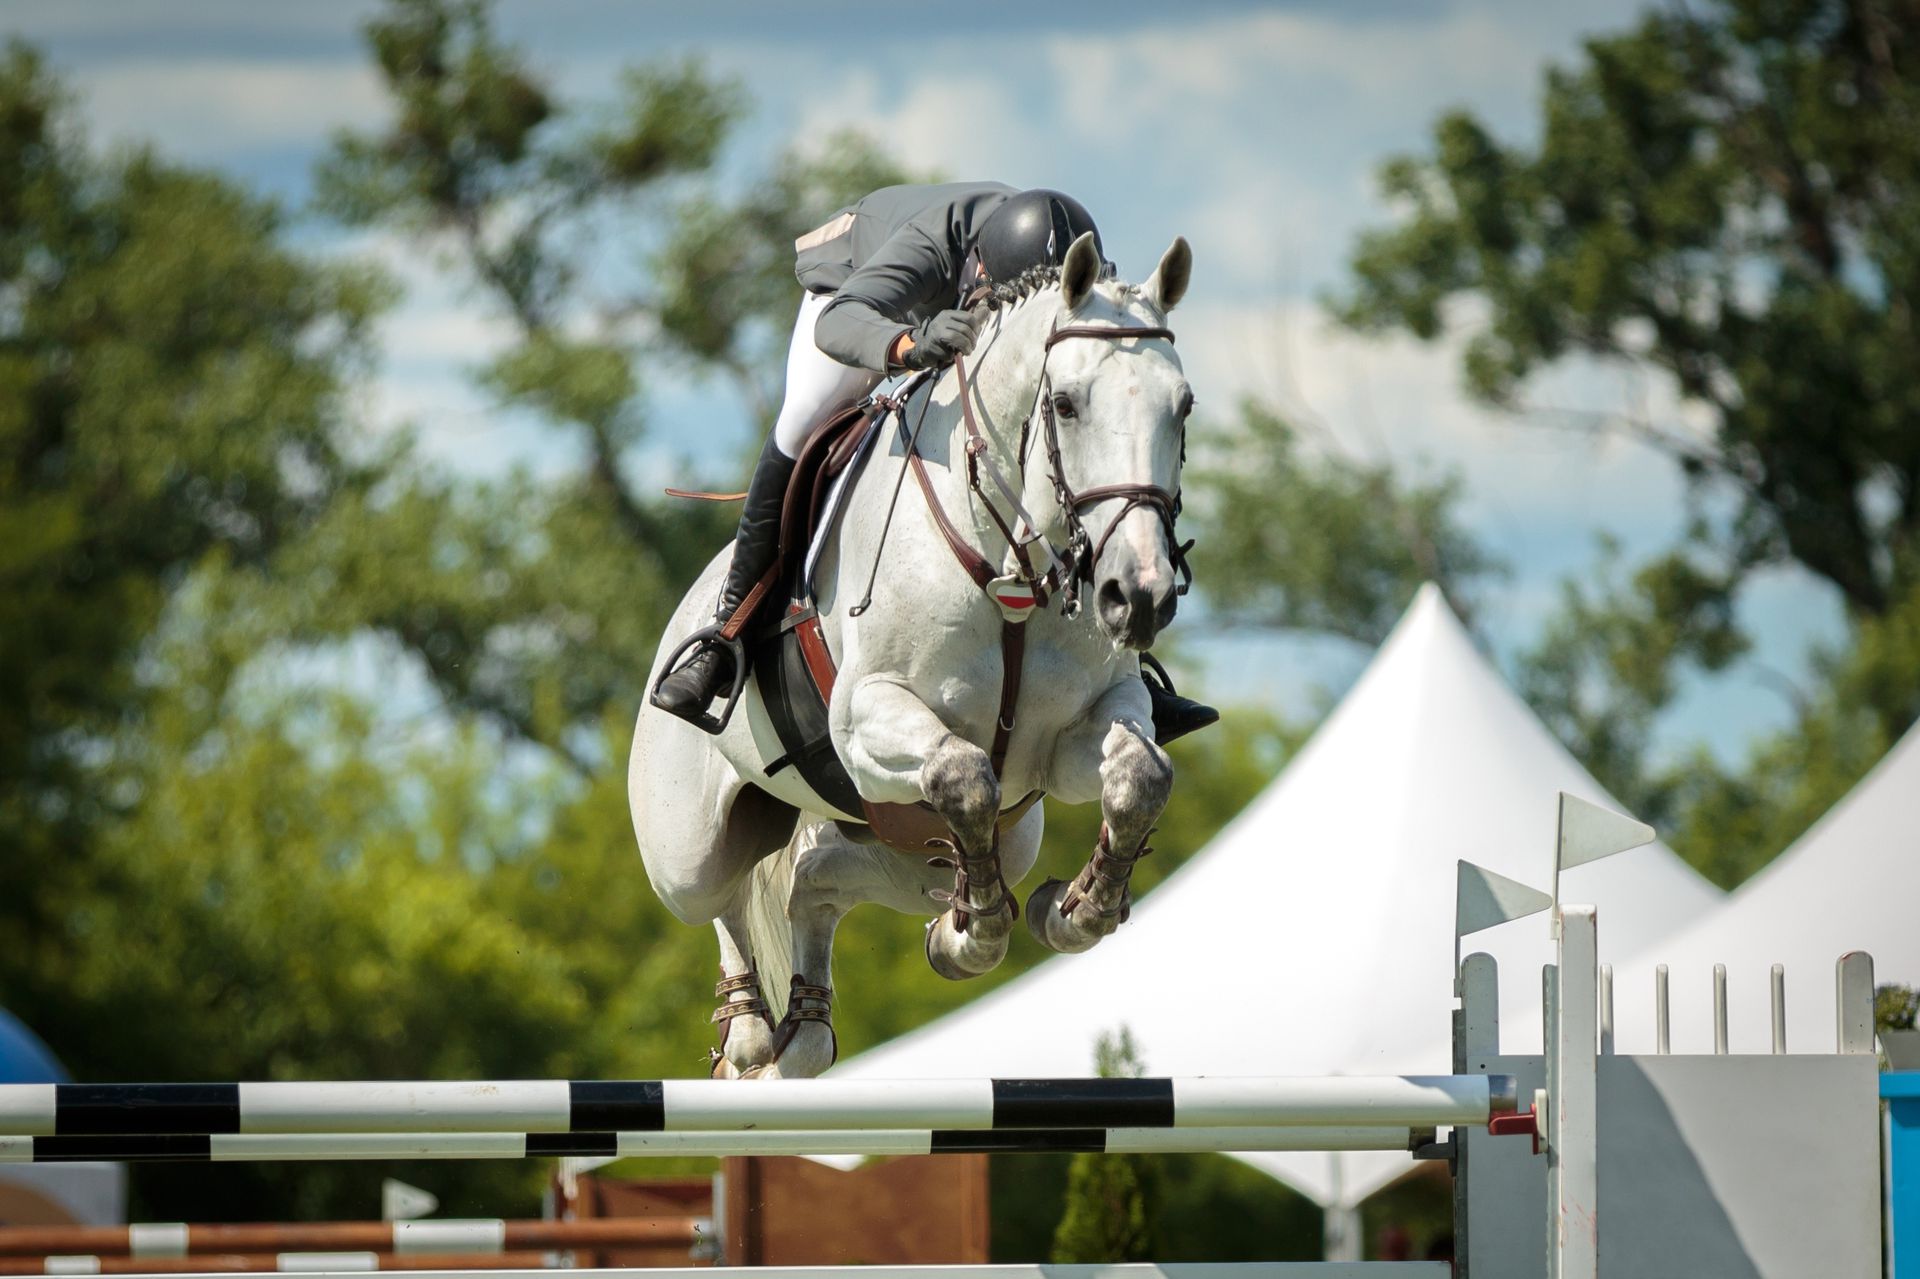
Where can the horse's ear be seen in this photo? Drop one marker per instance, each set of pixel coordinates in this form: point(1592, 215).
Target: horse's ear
point(1080, 271)
point(1168, 283)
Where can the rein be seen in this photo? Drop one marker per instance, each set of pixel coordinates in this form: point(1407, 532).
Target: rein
point(1063, 573)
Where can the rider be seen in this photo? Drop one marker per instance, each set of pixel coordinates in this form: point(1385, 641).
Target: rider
point(884, 279)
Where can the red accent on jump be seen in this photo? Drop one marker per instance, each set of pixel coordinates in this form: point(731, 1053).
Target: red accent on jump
point(1524, 1124)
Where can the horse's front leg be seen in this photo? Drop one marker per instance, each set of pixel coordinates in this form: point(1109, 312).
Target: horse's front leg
point(900, 751)
point(1135, 778)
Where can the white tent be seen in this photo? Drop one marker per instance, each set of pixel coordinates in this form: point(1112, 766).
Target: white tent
point(1852, 882)
point(1314, 935)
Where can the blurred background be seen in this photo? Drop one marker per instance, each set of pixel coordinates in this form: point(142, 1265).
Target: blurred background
point(345, 350)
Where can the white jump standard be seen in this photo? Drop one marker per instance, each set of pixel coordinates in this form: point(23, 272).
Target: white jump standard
point(709, 1106)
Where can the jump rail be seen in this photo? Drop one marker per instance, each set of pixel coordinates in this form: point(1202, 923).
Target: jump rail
point(539, 1107)
point(254, 1147)
point(267, 1263)
point(438, 1236)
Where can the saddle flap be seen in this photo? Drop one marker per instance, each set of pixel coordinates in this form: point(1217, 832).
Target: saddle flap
point(826, 453)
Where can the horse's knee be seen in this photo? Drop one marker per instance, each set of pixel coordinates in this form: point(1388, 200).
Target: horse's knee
point(958, 781)
point(1136, 775)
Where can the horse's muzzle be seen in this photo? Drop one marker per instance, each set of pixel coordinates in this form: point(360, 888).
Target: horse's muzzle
point(1132, 614)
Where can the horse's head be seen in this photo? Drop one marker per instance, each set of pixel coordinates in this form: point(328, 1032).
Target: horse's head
point(1111, 415)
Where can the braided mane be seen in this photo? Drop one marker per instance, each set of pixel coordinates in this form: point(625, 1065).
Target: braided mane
point(1035, 279)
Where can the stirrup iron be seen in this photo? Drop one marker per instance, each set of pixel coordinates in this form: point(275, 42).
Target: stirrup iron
point(707, 721)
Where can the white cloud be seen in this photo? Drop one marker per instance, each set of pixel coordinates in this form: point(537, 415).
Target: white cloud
point(208, 109)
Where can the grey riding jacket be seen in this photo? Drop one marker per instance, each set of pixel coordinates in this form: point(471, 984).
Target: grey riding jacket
point(891, 260)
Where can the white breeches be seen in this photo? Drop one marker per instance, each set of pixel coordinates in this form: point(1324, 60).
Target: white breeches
point(815, 380)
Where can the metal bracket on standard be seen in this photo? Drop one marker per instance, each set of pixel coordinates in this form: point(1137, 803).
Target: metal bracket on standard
point(1425, 1144)
point(1526, 1123)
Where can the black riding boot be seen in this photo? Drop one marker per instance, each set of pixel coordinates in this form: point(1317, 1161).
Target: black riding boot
point(690, 689)
point(1173, 715)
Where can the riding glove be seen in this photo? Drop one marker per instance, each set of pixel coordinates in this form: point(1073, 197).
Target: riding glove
point(938, 339)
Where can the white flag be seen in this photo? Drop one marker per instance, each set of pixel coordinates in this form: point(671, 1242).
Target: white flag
point(401, 1202)
point(1482, 899)
point(1589, 832)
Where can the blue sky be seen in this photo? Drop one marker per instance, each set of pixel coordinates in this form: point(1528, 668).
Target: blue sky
point(1252, 130)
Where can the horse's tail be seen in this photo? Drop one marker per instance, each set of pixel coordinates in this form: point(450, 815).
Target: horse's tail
point(769, 931)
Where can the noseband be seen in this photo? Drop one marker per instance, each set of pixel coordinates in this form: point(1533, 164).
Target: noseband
point(1065, 571)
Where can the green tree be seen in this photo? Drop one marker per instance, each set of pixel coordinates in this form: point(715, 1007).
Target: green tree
point(1337, 546)
point(170, 388)
point(1111, 1199)
point(1726, 197)
point(1610, 660)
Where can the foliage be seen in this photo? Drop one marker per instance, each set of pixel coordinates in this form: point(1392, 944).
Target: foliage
point(1608, 662)
point(1111, 1199)
point(170, 381)
point(1728, 195)
point(1895, 1007)
point(1866, 694)
point(1339, 546)
point(1211, 1208)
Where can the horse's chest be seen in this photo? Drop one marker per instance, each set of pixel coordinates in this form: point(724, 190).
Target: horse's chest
point(1055, 687)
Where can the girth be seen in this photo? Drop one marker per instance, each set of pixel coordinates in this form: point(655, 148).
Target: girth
point(909, 828)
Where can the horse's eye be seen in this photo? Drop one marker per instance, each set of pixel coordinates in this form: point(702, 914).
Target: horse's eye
point(1062, 405)
point(1186, 406)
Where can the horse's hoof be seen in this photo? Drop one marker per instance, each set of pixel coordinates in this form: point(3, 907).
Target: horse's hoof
point(1049, 927)
point(1043, 911)
point(1073, 932)
point(946, 945)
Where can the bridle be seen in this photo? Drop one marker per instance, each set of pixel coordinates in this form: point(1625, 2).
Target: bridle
point(1082, 553)
point(1064, 571)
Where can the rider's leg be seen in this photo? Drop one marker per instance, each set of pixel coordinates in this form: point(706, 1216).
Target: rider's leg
point(815, 382)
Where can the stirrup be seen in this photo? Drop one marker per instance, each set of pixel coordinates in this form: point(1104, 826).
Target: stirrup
point(707, 721)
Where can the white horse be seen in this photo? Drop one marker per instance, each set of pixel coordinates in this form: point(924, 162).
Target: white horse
point(917, 697)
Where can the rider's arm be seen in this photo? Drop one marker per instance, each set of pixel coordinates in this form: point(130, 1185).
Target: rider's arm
point(873, 310)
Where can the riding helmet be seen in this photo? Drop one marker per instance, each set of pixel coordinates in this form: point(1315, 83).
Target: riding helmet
point(1033, 228)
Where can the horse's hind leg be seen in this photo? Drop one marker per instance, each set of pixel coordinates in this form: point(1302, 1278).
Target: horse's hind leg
point(831, 875)
point(745, 1020)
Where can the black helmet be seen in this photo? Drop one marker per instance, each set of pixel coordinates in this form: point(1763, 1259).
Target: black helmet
point(1033, 228)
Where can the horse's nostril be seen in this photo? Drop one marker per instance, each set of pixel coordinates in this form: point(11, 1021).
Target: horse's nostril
point(1163, 615)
